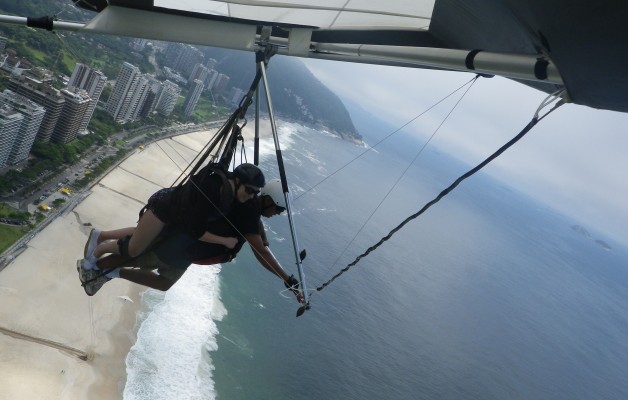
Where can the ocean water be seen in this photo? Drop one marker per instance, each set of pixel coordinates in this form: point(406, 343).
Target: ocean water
point(488, 295)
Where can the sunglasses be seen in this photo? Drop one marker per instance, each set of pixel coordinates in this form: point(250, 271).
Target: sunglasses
point(251, 190)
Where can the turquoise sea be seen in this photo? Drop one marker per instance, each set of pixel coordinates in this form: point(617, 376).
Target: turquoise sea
point(488, 295)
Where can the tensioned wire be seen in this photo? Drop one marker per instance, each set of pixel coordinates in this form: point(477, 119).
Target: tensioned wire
point(394, 185)
point(535, 119)
point(470, 83)
point(385, 138)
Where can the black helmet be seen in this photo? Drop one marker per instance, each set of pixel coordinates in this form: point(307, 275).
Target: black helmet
point(249, 174)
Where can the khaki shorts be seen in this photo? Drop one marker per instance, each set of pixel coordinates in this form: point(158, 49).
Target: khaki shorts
point(149, 262)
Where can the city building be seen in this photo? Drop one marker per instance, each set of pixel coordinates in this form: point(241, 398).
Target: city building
point(33, 115)
point(220, 84)
point(200, 72)
point(212, 77)
point(43, 94)
point(74, 109)
point(173, 76)
point(136, 100)
point(10, 121)
point(3, 44)
point(138, 44)
point(235, 95)
point(120, 97)
point(211, 63)
point(128, 95)
point(168, 98)
point(192, 98)
point(183, 57)
point(93, 82)
point(154, 90)
point(40, 74)
point(11, 64)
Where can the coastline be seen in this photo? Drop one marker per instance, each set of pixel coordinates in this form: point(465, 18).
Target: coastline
point(42, 301)
point(56, 341)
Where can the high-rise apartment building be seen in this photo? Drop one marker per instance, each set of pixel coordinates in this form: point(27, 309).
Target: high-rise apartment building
point(200, 72)
point(3, 44)
point(168, 98)
point(79, 76)
point(211, 63)
point(33, 115)
point(10, 121)
point(69, 124)
point(43, 94)
point(192, 98)
point(183, 57)
point(154, 90)
point(221, 83)
point(235, 95)
point(212, 77)
point(122, 93)
point(93, 82)
point(137, 97)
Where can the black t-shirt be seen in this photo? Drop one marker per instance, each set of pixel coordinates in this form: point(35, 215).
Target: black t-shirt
point(178, 249)
point(243, 219)
point(205, 197)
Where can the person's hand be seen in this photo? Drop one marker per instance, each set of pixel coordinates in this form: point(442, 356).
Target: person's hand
point(292, 284)
point(230, 242)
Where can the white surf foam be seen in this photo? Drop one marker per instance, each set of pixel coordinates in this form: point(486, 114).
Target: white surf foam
point(169, 359)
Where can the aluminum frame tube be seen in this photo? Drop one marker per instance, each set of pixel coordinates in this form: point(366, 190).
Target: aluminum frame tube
point(286, 193)
point(61, 25)
point(515, 66)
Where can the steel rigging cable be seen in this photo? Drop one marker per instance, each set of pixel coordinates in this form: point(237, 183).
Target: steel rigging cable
point(535, 119)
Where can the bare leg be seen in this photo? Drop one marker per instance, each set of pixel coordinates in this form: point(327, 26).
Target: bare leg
point(115, 234)
point(103, 247)
point(112, 261)
point(141, 277)
point(146, 231)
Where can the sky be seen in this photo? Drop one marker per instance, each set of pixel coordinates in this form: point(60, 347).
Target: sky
point(575, 160)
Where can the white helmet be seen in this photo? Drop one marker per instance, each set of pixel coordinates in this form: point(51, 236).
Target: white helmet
point(275, 191)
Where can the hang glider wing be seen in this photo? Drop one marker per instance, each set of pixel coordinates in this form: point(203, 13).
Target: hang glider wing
point(548, 44)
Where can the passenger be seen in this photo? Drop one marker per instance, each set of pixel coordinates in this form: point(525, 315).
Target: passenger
point(205, 197)
point(174, 250)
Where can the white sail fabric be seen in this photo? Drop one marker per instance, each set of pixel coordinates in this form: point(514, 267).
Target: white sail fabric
point(323, 14)
point(534, 41)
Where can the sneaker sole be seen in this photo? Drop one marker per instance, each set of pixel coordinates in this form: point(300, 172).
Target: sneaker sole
point(78, 269)
point(91, 287)
point(89, 239)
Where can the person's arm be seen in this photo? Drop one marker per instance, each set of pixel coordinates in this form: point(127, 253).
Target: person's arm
point(263, 233)
point(227, 241)
point(265, 256)
point(268, 260)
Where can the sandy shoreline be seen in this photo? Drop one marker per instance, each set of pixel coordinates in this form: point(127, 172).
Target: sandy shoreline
point(41, 297)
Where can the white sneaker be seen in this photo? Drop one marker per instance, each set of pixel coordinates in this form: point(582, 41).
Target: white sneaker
point(92, 242)
point(90, 262)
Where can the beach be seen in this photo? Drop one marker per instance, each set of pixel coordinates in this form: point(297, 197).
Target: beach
point(57, 342)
